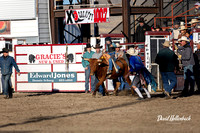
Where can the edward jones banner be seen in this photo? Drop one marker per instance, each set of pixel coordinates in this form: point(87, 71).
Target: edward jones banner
point(85, 16)
point(52, 77)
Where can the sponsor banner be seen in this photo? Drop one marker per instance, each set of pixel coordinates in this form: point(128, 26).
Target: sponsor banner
point(85, 16)
point(49, 77)
point(46, 58)
point(4, 27)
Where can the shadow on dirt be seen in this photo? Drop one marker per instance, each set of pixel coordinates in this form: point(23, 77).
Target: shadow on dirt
point(46, 118)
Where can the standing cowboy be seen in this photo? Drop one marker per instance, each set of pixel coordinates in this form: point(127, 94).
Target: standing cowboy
point(6, 64)
point(167, 61)
point(97, 55)
point(188, 62)
point(88, 54)
point(197, 67)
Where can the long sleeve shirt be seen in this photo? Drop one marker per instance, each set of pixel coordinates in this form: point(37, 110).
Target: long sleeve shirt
point(135, 64)
point(86, 55)
point(6, 65)
point(97, 55)
point(186, 55)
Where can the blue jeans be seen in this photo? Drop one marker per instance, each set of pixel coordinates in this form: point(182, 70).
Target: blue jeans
point(169, 80)
point(189, 79)
point(87, 77)
point(100, 87)
point(123, 83)
point(6, 83)
point(110, 64)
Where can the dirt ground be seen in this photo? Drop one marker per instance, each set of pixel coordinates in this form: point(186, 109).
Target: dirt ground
point(79, 112)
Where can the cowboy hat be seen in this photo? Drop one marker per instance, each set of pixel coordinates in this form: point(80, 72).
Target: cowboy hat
point(141, 20)
point(183, 38)
point(166, 44)
point(5, 50)
point(88, 45)
point(197, 4)
point(132, 52)
point(182, 28)
point(97, 46)
point(118, 45)
point(194, 21)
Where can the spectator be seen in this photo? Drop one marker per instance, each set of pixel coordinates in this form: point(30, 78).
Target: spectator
point(97, 55)
point(140, 30)
point(196, 10)
point(194, 24)
point(183, 31)
point(168, 63)
point(188, 62)
point(197, 66)
point(157, 28)
point(6, 64)
point(88, 54)
point(175, 32)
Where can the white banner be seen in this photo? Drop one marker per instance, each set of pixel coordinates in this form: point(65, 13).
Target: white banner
point(85, 16)
point(46, 58)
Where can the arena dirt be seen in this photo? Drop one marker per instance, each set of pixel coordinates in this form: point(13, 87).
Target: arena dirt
point(79, 112)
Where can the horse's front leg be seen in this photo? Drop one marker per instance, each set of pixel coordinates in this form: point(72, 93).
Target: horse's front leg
point(128, 80)
point(105, 90)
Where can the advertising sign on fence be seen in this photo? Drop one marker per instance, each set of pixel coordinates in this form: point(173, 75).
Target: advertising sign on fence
point(85, 16)
point(49, 58)
point(50, 77)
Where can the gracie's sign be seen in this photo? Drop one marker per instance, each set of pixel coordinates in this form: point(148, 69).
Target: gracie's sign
point(49, 77)
point(84, 16)
point(46, 58)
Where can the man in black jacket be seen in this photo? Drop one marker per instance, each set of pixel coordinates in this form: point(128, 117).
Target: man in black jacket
point(140, 31)
point(168, 63)
point(197, 66)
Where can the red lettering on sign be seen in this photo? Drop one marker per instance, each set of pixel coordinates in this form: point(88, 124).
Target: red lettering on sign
point(100, 15)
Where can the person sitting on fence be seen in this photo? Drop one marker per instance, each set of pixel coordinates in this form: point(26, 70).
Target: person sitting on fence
point(110, 48)
point(175, 32)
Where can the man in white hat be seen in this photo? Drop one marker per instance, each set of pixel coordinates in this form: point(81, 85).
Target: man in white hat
point(168, 63)
point(188, 62)
point(194, 23)
point(120, 54)
point(137, 66)
point(183, 31)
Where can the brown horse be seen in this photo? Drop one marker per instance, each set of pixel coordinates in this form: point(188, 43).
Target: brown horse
point(100, 66)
